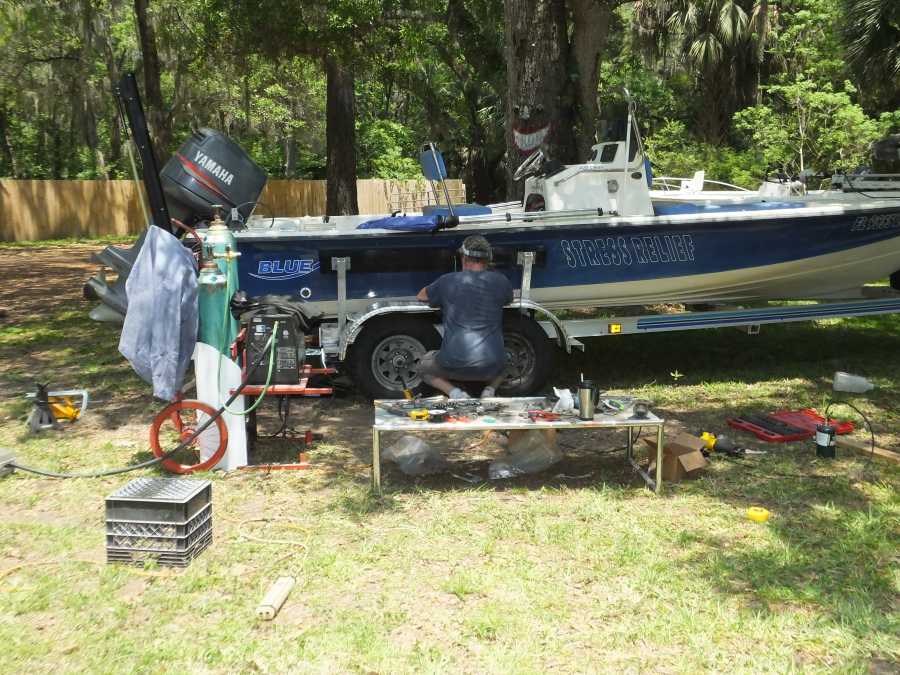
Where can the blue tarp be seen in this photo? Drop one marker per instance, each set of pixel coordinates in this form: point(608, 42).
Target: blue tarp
point(403, 223)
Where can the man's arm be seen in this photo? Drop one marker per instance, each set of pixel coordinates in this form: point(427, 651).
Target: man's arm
point(432, 294)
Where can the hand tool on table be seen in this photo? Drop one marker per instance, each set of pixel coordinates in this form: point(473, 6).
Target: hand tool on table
point(405, 409)
point(437, 415)
point(407, 392)
point(541, 415)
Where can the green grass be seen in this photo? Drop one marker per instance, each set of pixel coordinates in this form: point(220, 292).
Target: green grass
point(538, 574)
point(67, 242)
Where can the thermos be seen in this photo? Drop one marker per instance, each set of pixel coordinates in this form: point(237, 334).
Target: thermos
point(588, 396)
point(825, 446)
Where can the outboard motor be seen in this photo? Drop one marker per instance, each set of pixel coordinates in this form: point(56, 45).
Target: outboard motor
point(210, 169)
point(886, 155)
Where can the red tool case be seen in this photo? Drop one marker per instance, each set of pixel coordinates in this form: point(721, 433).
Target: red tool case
point(784, 426)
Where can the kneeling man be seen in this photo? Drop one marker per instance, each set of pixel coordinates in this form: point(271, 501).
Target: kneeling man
point(472, 302)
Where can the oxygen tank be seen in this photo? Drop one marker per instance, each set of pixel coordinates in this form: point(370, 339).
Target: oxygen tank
point(217, 375)
point(218, 282)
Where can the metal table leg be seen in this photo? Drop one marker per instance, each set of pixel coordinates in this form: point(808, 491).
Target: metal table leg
point(376, 461)
point(659, 457)
point(629, 457)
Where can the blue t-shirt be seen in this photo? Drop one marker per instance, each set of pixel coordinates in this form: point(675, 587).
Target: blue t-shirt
point(472, 303)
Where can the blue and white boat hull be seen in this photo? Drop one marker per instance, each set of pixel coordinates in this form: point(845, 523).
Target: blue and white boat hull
point(795, 252)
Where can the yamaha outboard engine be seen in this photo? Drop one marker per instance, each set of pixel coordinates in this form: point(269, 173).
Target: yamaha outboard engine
point(209, 169)
point(886, 155)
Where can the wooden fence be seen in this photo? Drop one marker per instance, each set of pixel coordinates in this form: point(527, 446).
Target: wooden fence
point(58, 209)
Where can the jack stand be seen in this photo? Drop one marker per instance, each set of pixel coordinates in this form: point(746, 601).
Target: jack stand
point(41, 417)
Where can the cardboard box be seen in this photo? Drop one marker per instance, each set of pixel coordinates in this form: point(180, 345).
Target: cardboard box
point(682, 457)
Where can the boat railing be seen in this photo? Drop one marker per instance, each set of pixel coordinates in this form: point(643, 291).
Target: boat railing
point(676, 184)
point(529, 216)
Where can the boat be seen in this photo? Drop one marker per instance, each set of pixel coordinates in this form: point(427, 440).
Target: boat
point(600, 239)
point(589, 235)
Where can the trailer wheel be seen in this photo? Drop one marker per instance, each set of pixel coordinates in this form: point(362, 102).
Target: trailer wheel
point(387, 354)
point(529, 355)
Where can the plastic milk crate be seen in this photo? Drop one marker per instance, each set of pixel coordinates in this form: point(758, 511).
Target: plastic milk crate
point(168, 520)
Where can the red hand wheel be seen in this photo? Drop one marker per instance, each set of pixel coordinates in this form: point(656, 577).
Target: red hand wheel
point(176, 423)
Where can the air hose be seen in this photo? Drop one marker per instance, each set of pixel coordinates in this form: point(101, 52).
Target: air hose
point(156, 460)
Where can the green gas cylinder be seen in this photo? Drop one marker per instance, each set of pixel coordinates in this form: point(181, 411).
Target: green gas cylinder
point(218, 281)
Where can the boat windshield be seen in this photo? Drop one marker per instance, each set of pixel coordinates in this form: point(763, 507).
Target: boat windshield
point(613, 127)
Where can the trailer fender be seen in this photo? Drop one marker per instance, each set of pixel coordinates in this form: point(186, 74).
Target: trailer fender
point(356, 324)
point(558, 326)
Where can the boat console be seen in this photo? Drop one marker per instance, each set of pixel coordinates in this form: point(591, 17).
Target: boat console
point(608, 183)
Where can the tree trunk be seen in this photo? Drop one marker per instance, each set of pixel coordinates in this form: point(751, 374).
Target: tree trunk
point(156, 113)
point(340, 137)
point(540, 110)
point(6, 148)
point(480, 186)
point(713, 113)
point(104, 47)
point(56, 144)
point(290, 156)
point(591, 26)
point(245, 101)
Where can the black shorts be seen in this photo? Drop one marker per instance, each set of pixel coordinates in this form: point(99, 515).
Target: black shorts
point(428, 365)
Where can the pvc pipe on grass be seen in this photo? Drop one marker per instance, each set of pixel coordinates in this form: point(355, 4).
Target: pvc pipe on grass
point(274, 598)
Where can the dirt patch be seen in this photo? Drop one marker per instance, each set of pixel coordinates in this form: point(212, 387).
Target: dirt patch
point(67, 266)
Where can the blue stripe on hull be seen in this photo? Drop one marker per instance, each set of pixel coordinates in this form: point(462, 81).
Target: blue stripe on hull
point(575, 255)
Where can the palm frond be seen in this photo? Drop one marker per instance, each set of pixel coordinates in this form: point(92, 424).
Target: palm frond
point(732, 22)
point(872, 34)
point(706, 50)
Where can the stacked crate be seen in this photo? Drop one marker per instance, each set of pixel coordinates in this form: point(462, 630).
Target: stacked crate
point(167, 520)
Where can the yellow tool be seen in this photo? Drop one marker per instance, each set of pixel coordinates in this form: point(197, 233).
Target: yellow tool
point(407, 392)
point(758, 514)
point(420, 415)
point(709, 439)
point(64, 408)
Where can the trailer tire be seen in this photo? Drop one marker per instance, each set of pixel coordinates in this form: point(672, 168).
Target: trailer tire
point(529, 354)
point(389, 343)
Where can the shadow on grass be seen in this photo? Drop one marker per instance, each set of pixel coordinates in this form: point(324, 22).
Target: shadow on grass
point(833, 546)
